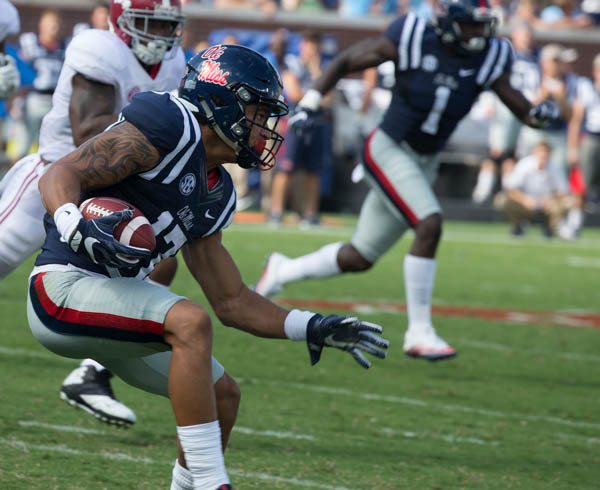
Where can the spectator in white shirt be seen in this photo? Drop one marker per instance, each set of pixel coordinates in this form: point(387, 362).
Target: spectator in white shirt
point(535, 186)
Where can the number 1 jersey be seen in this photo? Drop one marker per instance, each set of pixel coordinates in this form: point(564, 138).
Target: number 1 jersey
point(434, 90)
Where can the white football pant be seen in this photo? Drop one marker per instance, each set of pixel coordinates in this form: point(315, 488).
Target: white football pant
point(21, 213)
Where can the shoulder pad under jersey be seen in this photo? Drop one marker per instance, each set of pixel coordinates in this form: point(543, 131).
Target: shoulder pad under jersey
point(97, 55)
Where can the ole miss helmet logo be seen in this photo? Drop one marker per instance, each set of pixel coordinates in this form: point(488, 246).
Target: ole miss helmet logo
point(212, 73)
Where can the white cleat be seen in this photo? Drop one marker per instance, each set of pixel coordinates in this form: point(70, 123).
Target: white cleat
point(90, 390)
point(426, 344)
point(268, 284)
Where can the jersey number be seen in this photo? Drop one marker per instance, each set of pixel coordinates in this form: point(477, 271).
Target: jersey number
point(175, 236)
point(431, 124)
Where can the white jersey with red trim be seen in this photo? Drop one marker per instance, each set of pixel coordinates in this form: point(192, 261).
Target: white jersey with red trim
point(101, 56)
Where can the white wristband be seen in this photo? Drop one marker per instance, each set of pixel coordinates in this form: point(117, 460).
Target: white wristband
point(67, 218)
point(295, 324)
point(311, 100)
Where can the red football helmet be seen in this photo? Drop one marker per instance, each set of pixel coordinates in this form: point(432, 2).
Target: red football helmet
point(131, 21)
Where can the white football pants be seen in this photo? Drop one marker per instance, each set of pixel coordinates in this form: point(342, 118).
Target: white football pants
point(21, 213)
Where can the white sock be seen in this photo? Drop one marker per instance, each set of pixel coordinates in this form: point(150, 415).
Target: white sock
point(90, 362)
point(484, 186)
point(203, 454)
point(182, 478)
point(319, 264)
point(419, 274)
point(575, 219)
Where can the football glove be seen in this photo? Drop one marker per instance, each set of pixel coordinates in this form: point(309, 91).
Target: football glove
point(301, 121)
point(303, 116)
point(347, 333)
point(95, 239)
point(543, 114)
point(10, 79)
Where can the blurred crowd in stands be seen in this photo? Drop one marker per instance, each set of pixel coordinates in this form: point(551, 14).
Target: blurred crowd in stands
point(306, 165)
point(540, 14)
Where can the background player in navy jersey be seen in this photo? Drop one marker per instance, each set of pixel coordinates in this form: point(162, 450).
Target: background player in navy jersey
point(440, 71)
point(164, 155)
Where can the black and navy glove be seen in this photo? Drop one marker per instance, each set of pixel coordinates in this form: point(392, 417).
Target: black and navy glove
point(347, 333)
point(95, 239)
point(303, 117)
point(301, 121)
point(544, 113)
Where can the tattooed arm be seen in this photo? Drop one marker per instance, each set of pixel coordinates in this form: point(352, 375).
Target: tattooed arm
point(100, 162)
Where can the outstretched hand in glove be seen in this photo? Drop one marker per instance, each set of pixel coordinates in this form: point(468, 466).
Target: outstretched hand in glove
point(346, 333)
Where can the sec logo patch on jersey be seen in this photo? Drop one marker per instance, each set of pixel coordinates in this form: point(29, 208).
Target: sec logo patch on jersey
point(136, 232)
point(187, 184)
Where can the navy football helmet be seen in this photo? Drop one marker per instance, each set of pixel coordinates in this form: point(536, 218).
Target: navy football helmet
point(221, 82)
point(453, 18)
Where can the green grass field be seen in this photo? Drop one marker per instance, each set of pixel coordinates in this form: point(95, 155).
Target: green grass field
point(518, 408)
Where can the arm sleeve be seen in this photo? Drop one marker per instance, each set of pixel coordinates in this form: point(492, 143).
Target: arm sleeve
point(158, 118)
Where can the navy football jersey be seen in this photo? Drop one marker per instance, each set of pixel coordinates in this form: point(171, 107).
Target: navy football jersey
point(47, 63)
point(174, 195)
point(435, 90)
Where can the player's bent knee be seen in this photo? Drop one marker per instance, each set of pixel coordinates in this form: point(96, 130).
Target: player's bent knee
point(228, 392)
point(188, 324)
point(350, 259)
point(429, 230)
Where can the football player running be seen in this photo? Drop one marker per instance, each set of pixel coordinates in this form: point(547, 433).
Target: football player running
point(440, 71)
point(9, 74)
point(101, 73)
point(165, 156)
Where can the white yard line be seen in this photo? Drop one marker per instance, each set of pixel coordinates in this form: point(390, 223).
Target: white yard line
point(15, 351)
point(585, 262)
point(242, 430)
point(438, 437)
point(569, 356)
point(422, 403)
point(59, 448)
point(273, 433)
point(589, 440)
point(62, 428)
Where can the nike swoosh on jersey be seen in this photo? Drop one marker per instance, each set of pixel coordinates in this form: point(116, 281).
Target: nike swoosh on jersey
point(208, 215)
point(465, 73)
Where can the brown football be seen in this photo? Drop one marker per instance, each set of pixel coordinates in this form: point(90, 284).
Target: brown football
point(136, 232)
